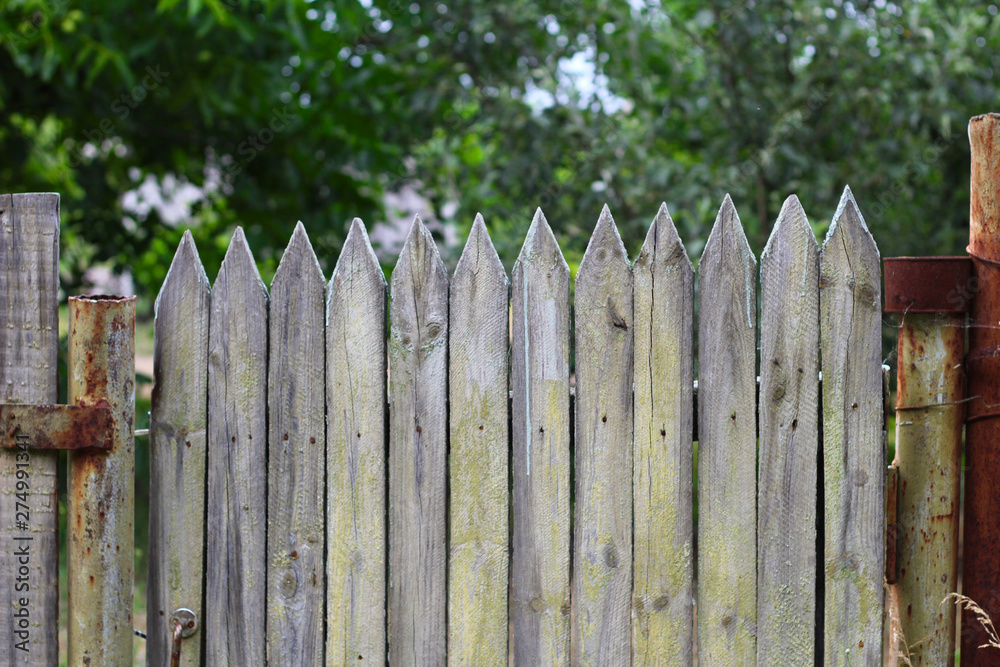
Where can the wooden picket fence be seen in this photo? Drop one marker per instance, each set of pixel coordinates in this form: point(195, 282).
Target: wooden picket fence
point(414, 472)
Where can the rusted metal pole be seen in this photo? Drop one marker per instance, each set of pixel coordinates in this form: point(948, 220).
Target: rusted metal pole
point(101, 484)
point(981, 562)
point(929, 420)
point(927, 292)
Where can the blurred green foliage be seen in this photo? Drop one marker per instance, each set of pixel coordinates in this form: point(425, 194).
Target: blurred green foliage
point(281, 110)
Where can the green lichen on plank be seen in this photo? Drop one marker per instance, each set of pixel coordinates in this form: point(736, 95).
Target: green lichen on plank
point(854, 458)
point(662, 613)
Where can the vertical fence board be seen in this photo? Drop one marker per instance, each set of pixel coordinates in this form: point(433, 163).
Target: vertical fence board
point(237, 463)
point(727, 480)
point(853, 454)
point(177, 454)
point(663, 551)
point(789, 437)
point(477, 386)
point(356, 468)
point(29, 343)
point(296, 457)
point(418, 386)
point(602, 531)
point(539, 577)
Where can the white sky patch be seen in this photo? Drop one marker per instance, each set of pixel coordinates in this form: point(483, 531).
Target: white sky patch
point(576, 78)
point(172, 198)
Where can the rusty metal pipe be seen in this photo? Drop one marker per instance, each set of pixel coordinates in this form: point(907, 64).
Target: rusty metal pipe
point(981, 561)
point(101, 483)
point(929, 417)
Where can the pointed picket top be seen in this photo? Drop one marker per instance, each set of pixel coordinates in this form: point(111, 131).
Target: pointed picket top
point(849, 216)
point(604, 248)
point(356, 257)
point(791, 228)
point(357, 253)
point(540, 242)
point(728, 230)
point(663, 245)
point(419, 260)
point(727, 249)
point(479, 254)
point(186, 267)
point(850, 249)
point(239, 260)
point(850, 246)
point(299, 262)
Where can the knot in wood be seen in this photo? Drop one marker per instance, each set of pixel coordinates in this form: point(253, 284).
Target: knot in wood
point(289, 584)
point(610, 556)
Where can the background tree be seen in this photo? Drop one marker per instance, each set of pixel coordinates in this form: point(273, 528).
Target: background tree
point(261, 113)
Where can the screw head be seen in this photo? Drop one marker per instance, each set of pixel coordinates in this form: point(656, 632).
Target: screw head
point(185, 618)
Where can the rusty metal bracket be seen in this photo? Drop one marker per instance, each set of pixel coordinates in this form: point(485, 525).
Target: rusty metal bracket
point(185, 624)
point(49, 427)
point(928, 284)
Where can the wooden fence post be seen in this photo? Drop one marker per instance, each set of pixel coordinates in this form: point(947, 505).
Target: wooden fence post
point(29, 343)
point(356, 461)
point(237, 462)
point(789, 440)
point(727, 451)
point(602, 526)
point(479, 509)
point(853, 451)
point(539, 568)
point(178, 456)
point(418, 390)
point(296, 457)
point(663, 587)
point(101, 491)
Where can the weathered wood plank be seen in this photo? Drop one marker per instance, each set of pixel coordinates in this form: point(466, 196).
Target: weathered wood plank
point(727, 452)
point(479, 509)
point(539, 575)
point(296, 457)
point(177, 453)
point(418, 391)
point(237, 462)
point(602, 532)
point(853, 454)
point(356, 468)
point(663, 534)
point(789, 437)
point(29, 343)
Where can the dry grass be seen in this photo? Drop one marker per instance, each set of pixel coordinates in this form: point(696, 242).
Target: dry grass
point(899, 649)
point(984, 619)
